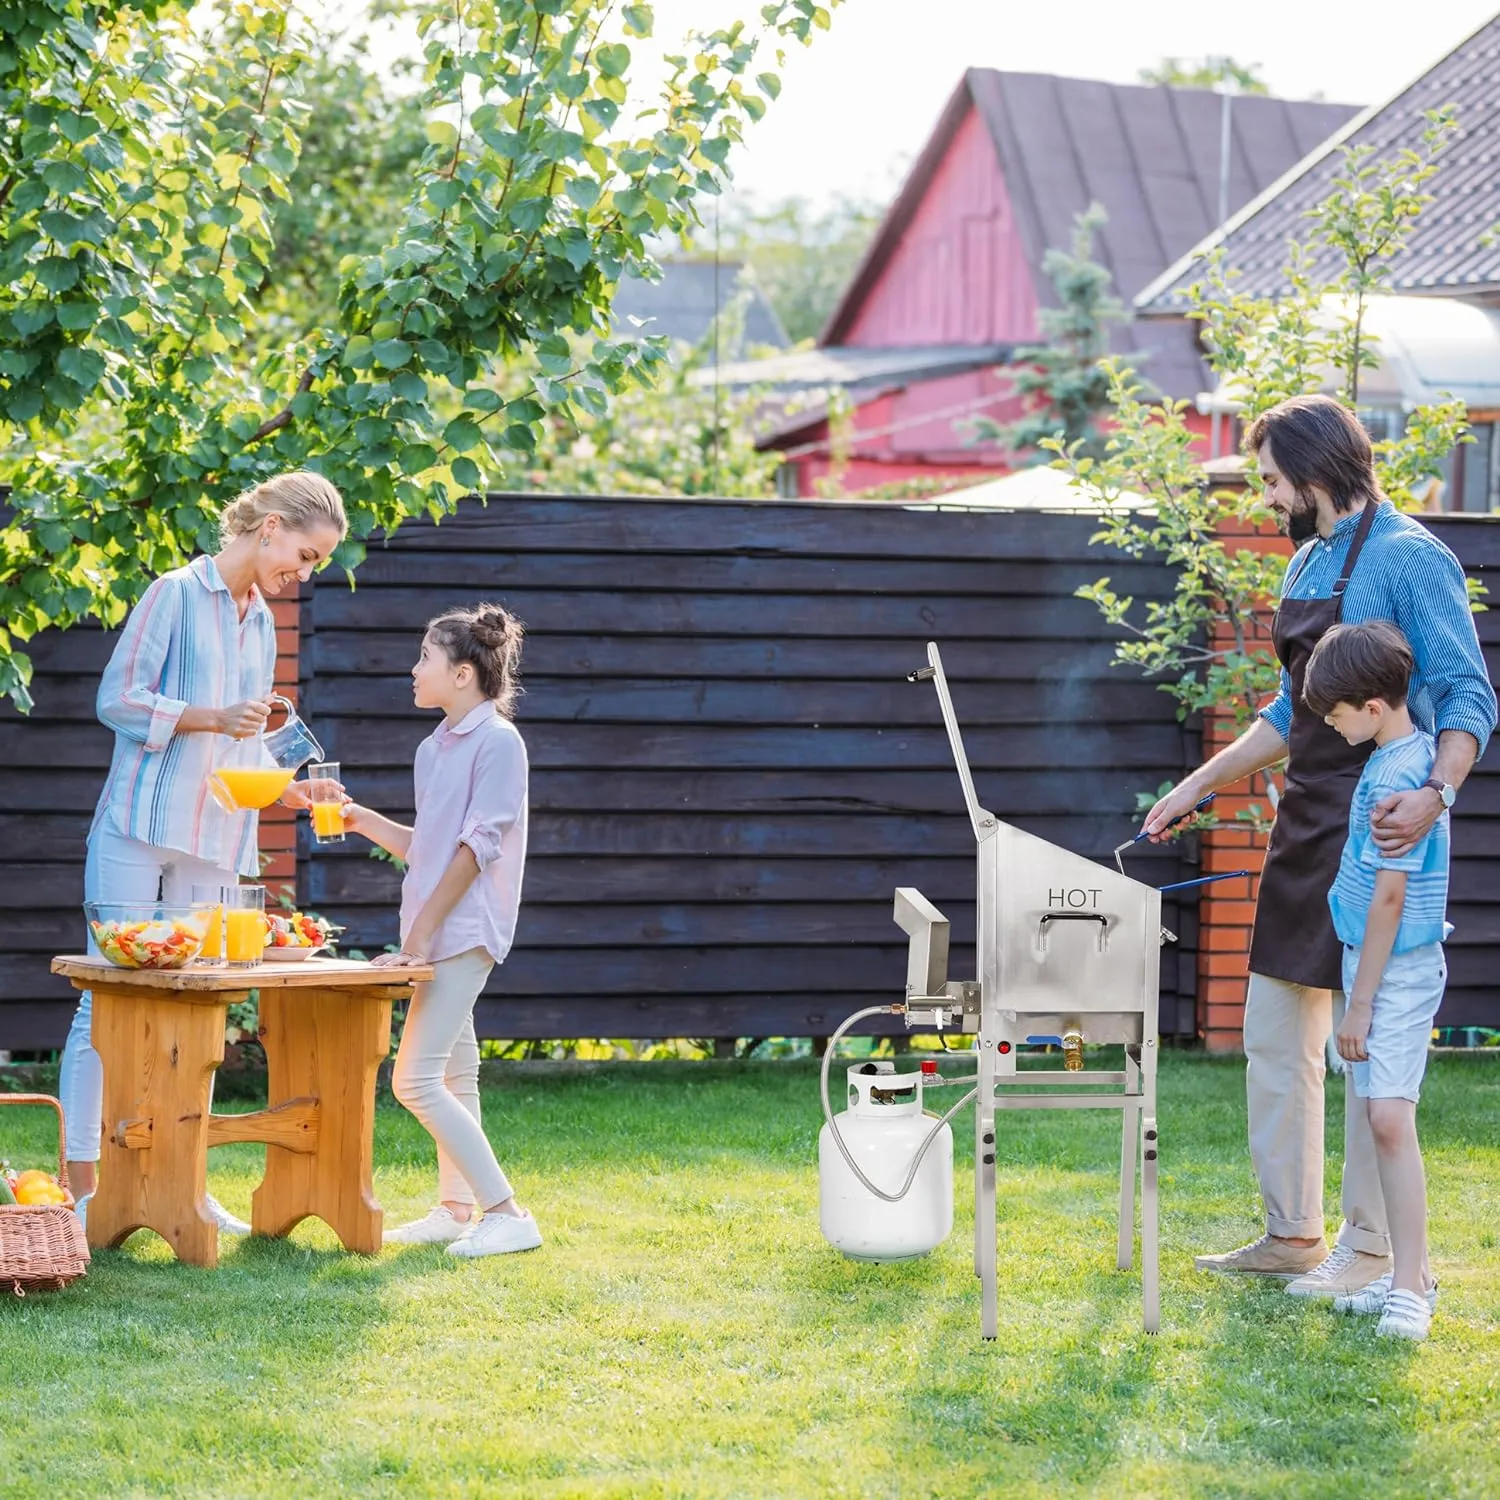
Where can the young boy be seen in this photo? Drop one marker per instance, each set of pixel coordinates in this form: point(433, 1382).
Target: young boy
point(1389, 914)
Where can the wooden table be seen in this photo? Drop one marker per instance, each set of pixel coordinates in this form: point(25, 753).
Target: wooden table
point(326, 1027)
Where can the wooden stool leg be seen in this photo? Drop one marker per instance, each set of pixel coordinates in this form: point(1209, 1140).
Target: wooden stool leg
point(326, 1044)
point(159, 1055)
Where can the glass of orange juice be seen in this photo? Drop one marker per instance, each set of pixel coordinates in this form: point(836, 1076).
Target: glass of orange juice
point(211, 897)
point(327, 802)
point(244, 925)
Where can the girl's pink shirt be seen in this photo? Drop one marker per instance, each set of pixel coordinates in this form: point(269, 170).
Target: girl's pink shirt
point(470, 789)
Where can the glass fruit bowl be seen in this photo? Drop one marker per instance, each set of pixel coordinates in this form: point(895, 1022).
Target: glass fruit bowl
point(148, 934)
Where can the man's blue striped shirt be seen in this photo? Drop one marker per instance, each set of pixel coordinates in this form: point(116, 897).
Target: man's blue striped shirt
point(1406, 575)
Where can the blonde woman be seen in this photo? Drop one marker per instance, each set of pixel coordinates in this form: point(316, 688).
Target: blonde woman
point(190, 676)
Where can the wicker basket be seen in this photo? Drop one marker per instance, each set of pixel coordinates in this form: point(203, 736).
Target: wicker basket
point(42, 1247)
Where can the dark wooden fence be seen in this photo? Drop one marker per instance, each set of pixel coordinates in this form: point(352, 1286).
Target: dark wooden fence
point(1473, 994)
point(730, 773)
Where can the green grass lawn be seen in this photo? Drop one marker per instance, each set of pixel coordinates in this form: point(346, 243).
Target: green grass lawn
point(685, 1331)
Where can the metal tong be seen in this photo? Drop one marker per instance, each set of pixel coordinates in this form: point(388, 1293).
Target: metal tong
point(1179, 885)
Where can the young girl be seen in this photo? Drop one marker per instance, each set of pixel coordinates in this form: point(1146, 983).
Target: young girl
point(184, 692)
point(464, 859)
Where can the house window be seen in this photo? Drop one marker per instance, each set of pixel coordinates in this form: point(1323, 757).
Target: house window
point(1477, 486)
point(1383, 423)
point(787, 487)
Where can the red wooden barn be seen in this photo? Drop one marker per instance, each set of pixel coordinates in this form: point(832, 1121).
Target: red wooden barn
point(952, 280)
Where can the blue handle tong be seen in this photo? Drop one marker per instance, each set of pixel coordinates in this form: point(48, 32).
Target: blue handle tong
point(1179, 885)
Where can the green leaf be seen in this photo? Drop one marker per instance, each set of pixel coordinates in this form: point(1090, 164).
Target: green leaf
point(613, 59)
point(57, 273)
point(391, 354)
point(23, 404)
point(604, 111)
point(441, 132)
point(444, 193)
point(639, 19)
point(68, 229)
point(584, 191)
point(769, 84)
point(409, 386)
point(482, 398)
point(463, 433)
point(359, 352)
point(466, 472)
point(77, 315)
point(30, 317)
point(415, 457)
point(64, 177)
point(73, 126)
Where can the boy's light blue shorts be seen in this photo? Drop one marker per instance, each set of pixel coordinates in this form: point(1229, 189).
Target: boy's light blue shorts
point(1406, 1004)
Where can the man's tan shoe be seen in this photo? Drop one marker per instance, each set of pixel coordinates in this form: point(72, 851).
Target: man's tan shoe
point(1345, 1272)
point(1266, 1257)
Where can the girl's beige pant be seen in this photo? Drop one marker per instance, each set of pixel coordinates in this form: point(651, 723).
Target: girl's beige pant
point(437, 1079)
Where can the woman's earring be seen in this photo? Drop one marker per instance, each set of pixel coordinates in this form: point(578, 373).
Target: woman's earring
point(265, 541)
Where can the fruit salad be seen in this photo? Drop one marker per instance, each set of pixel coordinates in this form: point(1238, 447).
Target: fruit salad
point(161, 943)
point(298, 929)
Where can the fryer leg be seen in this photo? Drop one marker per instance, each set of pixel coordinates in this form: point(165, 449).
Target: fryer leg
point(985, 1228)
point(1130, 1133)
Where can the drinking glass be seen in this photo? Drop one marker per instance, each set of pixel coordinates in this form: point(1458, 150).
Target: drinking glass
point(244, 925)
point(212, 951)
point(327, 794)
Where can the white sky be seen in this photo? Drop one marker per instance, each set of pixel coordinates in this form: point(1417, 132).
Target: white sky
point(858, 104)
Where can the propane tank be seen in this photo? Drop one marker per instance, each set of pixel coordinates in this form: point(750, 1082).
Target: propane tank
point(883, 1129)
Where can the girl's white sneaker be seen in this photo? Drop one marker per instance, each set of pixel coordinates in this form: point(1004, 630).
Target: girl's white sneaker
point(498, 1234)
point(436, 1227)
point(1406, 1316)
point(227, 1222)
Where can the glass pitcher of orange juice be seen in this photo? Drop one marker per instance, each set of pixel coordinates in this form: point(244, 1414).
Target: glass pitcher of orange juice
point(274, 759)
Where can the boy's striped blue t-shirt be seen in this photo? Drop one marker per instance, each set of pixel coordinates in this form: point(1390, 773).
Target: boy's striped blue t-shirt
point(1398, 766)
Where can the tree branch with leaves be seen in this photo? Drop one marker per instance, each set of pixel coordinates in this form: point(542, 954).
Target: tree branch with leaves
point(146, 151)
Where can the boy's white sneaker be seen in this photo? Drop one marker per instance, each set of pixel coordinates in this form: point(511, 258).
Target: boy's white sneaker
point(498, 1234)
point(227, 1222)
point(1406, 1316)
point(436, 1227)
point(1371, 1299)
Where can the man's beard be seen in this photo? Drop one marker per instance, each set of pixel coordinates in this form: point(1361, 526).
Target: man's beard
point(1301, 520)
point(1301, 525)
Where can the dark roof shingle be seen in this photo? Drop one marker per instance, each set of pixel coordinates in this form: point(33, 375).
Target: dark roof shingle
point(1444, 252)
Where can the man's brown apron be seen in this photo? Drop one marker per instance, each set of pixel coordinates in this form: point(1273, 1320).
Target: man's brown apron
point(1294, 938)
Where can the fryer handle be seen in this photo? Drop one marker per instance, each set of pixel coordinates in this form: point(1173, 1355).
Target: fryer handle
point(1074, 916)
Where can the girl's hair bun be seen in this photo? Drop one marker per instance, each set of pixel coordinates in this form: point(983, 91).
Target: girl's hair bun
point(491, 626)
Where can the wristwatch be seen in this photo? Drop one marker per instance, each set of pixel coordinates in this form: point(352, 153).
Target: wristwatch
point(1443, 790)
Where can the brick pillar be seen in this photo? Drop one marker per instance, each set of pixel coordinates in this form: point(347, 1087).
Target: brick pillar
point(278, 825)
point(1227, 909)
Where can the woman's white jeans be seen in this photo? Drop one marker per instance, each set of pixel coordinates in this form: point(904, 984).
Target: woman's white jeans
point(118, 869)
point(437, 1079)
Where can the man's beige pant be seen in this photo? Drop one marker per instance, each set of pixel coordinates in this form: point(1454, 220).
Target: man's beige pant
point(1287, 1027)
